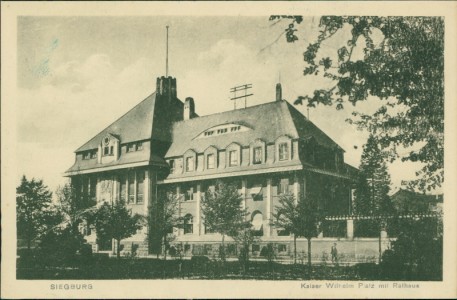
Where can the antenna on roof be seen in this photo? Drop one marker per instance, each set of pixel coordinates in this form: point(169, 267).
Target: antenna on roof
point(244, 88)
point(166, 63)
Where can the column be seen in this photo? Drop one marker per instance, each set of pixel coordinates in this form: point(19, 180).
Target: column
point(244, 191)
point(147, 191)
point(268, 209)
point(296, 188)
point(198, 209)
point(350, 229)
point(178, 195)
point(98, 192)
point(134, 187)
point(114, 191)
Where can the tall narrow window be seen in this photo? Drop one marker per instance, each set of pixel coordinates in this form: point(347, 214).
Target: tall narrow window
point(257, 159)
point(283, 187)
point(283, 151)
point(189, 164)
point(210, 164)
point(233, 158)
point(188, 193)
point(172, 164)
point(188, 224)
point(140, 187)
point(106, 150)
point(131, 198)
point(123, 189)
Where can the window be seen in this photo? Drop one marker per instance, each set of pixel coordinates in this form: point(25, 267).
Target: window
point(106, 151)
point(172, 164)
point(93, 154)
point(257, 159)
point(188, 193)
point(210, 161)
point(283, 151)
point(130, 147)
point(131, 198)
point(257, 224)
point(123, 189)
point(86, 155)
point(233, 158)
point(189, 164)
point(139, 146)
point(255, 248)
point(188, 224)
point(282, 248)
point(140, 187)
point(283, 186)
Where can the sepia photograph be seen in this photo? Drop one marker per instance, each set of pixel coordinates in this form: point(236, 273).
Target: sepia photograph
point(293, 148)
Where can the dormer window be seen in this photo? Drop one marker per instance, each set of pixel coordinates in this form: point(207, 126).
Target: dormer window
point(210, 161)
point(90, 154)
point(172, 164)
point(257, 159)
point(108, 150)
point(132, 147)
point(233, 158)
point(283, 151)
point(189, 164)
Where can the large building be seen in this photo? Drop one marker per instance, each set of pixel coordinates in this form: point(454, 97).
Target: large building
point(162, 144)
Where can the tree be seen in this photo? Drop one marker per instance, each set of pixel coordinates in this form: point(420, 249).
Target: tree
point(34, 211)
point(162, 218)
point(116, 222)
point(245, 238)
point(222, 211)
point(301, 218)
point(371, 195)
point(404, 70)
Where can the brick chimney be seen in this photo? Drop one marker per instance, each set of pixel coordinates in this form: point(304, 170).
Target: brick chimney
point(189, 108)
point(278, 92)
point(166, 87)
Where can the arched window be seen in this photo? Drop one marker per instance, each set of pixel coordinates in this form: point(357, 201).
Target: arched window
point(188, 224)
point(257, 223)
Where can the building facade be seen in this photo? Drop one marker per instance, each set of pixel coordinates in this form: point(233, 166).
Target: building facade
point(163, 145)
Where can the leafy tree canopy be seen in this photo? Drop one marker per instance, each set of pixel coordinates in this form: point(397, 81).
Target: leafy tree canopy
point(34, 210)
point(222, 210)
point(405, 70)
point(117, 222)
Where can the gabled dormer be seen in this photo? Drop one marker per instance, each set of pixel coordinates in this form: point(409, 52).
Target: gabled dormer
point(108, 149)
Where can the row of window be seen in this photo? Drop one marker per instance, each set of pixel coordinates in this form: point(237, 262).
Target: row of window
point(222, 130)
point(233, 158)
point(255, 189)
point(109, 150)
point(256, 221)
point(90, 154)
point(132, 147)
point(132, 187)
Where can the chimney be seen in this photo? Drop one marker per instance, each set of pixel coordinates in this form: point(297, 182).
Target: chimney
point(189, 108)
point(278, 92)
point(166, 87)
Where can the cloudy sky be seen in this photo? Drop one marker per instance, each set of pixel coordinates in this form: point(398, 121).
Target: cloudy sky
point(76, 75)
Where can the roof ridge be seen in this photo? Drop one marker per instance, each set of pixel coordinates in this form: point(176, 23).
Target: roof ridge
point(230, 111)
point(77, 150)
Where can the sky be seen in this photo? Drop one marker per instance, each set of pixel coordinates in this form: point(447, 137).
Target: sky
point(76, 75)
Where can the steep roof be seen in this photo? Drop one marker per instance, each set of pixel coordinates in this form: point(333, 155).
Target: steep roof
point(306, 128)
point(268, 121)
point(135, 125)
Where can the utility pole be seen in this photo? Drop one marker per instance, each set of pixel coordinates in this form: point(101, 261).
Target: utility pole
point(166, 63)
